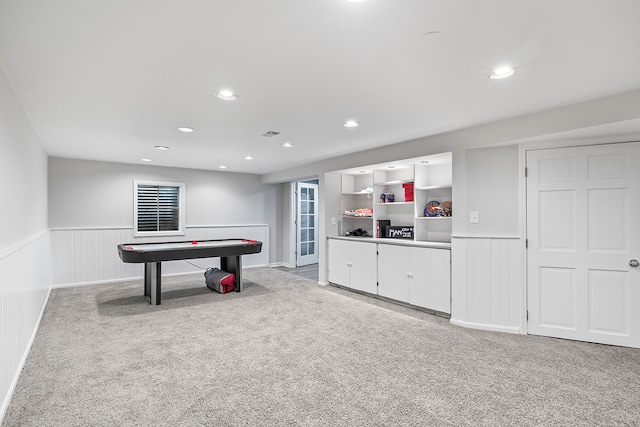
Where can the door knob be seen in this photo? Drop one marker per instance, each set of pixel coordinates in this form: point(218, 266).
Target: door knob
point(634, 263)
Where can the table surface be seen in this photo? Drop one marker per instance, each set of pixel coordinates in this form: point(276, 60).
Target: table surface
point(167, 246)
point(172, 251)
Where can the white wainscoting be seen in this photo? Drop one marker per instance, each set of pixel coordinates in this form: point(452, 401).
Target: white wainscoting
point(24, 289)
point(487, 283)
point(89, 255)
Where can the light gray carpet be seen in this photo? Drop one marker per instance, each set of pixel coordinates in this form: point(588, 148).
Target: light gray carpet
point(288, 352)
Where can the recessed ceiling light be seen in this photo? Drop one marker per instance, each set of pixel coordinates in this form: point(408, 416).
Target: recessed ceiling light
point(185, 129)
point(222, 167)
point(146, 160)
point(287, 145)
point(227, 95)
point(351, 124)
point(502, 73)
point(248, 158)
point(161, 147)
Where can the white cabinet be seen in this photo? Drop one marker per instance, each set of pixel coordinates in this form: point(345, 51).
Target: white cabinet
point(394, 267)
point(418, 276)
point(431, 279)
point(352, 264)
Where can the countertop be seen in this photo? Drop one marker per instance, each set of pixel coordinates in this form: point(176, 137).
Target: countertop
point(399, 242)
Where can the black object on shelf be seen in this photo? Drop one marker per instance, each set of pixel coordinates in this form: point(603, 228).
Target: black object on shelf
point(381, 227)
point(358, 232)
point(400, 232)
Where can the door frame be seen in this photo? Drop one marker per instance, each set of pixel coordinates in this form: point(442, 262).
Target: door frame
point(293, 231)
point(522, 164)
point(315, 185)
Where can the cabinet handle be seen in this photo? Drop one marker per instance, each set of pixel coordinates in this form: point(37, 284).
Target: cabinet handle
point(349, 264)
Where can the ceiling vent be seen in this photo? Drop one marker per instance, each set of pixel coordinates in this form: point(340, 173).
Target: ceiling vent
point(270, 133)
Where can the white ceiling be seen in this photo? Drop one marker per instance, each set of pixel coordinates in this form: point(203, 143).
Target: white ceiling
point(109, 80)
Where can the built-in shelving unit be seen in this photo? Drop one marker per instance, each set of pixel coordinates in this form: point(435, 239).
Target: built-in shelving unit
point(431, 182)
point(414, 271)
point(357, 195)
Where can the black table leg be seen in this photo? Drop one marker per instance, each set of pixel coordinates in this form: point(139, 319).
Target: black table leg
point(147, 278)
point(153, 282)
point(233, 264)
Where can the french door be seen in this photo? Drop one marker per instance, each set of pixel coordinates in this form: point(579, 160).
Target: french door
point(583, 231)
point(307, 224)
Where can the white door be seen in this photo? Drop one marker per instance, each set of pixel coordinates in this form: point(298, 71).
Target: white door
point(583, 215)
point(431, 279)
point(339, 260)
point(307, 224)
point(363, 274)
point(394, 272)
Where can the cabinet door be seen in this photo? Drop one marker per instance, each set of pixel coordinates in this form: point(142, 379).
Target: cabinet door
point(339, 262)
point(362, 260)
point(394, 271)
point(431, 283)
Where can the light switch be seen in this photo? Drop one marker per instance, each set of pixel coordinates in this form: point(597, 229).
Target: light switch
point(474, 217)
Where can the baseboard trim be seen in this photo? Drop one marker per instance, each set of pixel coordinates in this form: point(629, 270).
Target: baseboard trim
point(96, 283)
point(280, 264)
point(487, 326)
point(14, 383)
point(131, 279)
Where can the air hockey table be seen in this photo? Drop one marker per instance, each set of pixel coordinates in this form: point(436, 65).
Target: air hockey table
point(229, 251)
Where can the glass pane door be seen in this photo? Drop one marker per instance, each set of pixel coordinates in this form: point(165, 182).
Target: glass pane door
point(307, 227)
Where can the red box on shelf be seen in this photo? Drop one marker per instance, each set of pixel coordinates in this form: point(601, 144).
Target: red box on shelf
point(408, 191)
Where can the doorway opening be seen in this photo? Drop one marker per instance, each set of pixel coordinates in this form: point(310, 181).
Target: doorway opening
point(304, 230)
point(306, 223)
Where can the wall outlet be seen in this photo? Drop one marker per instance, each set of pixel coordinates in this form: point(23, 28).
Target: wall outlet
point(474, 217)
point(333, 220)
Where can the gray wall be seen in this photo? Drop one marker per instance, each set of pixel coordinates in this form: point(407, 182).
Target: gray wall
point(100, 194)
point(23, 173)
point(24, 238)
point(492, 190)
point(287, 236)
point(486, 159)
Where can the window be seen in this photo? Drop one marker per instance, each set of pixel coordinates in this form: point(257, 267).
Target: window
point(158, 208)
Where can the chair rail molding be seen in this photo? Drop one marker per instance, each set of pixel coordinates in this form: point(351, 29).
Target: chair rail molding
point(83, 256)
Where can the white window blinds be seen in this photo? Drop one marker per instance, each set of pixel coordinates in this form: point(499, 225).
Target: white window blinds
point(158, 208)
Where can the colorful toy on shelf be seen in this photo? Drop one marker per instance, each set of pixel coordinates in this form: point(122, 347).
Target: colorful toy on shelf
point(434, 209)
point(446, 208)
point(365, 212)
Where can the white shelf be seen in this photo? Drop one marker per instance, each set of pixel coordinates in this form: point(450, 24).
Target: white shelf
point(394, 182)
point(433, 217)
point(430, 182)
point(433, 187)
point(394, 203)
